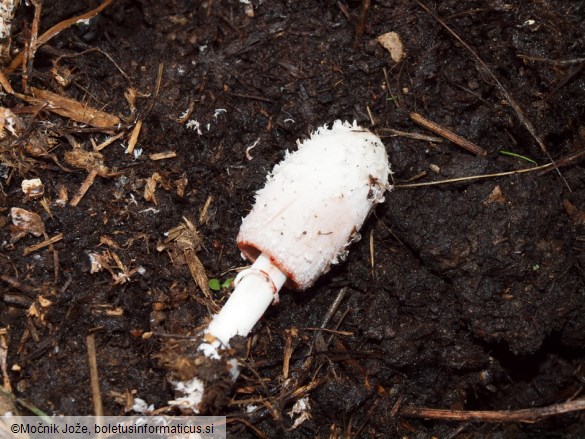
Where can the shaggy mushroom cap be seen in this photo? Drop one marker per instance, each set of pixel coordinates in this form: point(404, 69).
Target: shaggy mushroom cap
point(315, 201)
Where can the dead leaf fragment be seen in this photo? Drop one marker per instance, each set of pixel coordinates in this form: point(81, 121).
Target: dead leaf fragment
point(25, 222)
point(392, 43)
point(496, 196)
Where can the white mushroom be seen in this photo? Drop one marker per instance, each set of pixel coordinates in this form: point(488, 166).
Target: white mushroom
point(311, 208)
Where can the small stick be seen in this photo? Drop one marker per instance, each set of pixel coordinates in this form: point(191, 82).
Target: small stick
point(134, 137)
point(29, 53)
point(289, 334)
point(560, 62)
point(252, 97)
point(331, 331)
point(93, 373)
point(162, 155)
point(524, 415)
point(449, 135)
point(45, 243)
point(203, 216)
point(84, 187)
point(334, 307)
point(108, 141)
point(415, 136)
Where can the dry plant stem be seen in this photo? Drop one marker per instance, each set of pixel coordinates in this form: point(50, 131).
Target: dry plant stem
point(415, 136)
point(477, 177)
point(29, 53)
point(560, 62)
point(527, 124)
point(93, 373)
point(449, 135)
point(134, 137)
point(73, 109)
point(523, 415)
point(45, 243)
point(162, 155)
point(84, 187)
point(94, 49)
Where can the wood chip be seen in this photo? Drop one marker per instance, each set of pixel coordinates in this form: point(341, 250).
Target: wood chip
point(150, 187)
point(134, 137)
point(447, 134)
point(203, 216)
point(72, 109)
point(87, 183)
point(392, 43)
point(163, 155)
point(108, 141)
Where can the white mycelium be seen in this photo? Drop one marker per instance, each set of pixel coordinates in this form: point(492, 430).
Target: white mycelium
point(311, 208)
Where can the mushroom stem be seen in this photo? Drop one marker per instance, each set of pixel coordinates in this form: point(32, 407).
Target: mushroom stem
point(256, 288)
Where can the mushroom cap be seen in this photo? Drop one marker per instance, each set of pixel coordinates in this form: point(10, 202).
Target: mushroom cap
point(315, 202)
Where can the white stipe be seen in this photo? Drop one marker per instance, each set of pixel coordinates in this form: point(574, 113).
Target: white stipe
point(256, 288)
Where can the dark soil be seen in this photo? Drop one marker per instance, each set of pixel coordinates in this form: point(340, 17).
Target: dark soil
point(476, 299)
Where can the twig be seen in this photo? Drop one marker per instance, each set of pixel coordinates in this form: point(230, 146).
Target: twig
point(523, 120)
point(159, 77)
point(29, 53)
point(475, 177)
point(560, 62)
point(415, 136)
point(331, 331)
point(162, 155)
point(45, 243)
point(449, 135)
point(334, 307)
point(134, 137)
point(93, 373)
point(524, 415)
point(246, 96)
point(84, 187)
point(565, 161)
